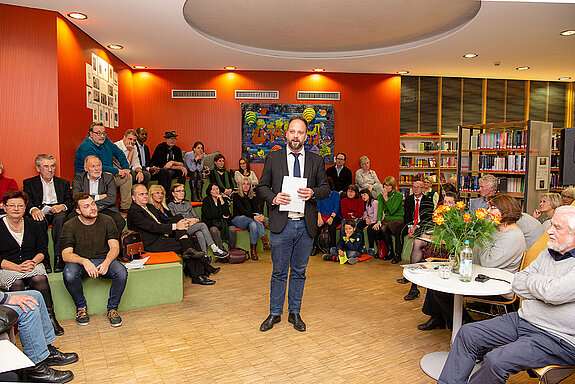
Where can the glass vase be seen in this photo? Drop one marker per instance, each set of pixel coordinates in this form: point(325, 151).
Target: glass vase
point(454, 260)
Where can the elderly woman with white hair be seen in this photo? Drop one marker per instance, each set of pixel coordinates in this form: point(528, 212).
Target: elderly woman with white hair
point(487, 189)
point(366, 178)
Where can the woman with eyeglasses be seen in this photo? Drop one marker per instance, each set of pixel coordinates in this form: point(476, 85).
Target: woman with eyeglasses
point(245, 171)
point(178, 205)
point(23, 246)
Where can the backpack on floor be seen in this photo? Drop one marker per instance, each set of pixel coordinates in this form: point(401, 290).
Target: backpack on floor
point(237, 255)
point(323, 239)
point(131, 246)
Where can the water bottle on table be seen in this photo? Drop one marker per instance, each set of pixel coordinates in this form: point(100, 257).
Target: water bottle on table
point(466, 263)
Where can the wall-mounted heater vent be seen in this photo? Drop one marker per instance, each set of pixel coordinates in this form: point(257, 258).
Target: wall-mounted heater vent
point(193, 93)
point(317, 95)
point(266, 95)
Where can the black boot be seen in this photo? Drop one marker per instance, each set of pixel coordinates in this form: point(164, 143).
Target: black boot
point(42, 373)
point(46, 263)
point(58, 263)
point(47, 295)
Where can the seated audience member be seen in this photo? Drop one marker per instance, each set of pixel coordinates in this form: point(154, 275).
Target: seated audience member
point(328, 213)
point(37, 336)
point(23, 246)
point(390, 217)
point(540, 333)
point(352, 206)
point(168, 156)
point(505, 252)
point(531, 228)
point(367, 178)
point(445, 188)
point(216, 214)
point(244, 170)
point(349, 245)
point(548, 203)
point(97, 144)
point(162, 232)
point(568, 196)
point(164, 176)
point(429, 192)
point(194, 162)
point(246, 216)
point(221, 177)
point(6, 185)
point(90, 247)
point(487, 189)
point(417, 215)
point(128, 147)
point(369, 218)
point(100, 185)
point(340, 174)
point(179, 206)
point(49, 202)
point(423, 249)
point(453, 180)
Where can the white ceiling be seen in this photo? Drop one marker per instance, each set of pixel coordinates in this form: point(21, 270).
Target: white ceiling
point(426, 37)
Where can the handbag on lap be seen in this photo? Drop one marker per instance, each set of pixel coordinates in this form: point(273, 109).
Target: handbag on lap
point(131, 246)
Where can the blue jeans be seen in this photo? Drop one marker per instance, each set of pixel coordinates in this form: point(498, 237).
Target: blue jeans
point(334, 251)
point(523, 346)
point(35, 328)
point(290, 252)
point(74, 273)
point(256, 229)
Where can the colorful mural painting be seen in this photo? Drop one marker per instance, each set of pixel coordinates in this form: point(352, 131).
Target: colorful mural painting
point(264, 124)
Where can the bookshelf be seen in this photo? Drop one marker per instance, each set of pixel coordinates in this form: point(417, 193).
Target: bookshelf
point(420, 155)
point(509, 151)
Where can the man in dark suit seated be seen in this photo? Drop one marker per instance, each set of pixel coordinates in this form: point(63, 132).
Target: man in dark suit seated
point(417, 215)
point(340, 174)
point(49, 201)
point(161, 234)
point(168, 156)
point(101, 186)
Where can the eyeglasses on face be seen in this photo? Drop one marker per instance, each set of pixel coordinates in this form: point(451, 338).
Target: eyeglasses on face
point(100, 133)
point(178, 190)
point(15, 206)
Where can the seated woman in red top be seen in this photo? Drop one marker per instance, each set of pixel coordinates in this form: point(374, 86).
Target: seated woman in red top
point(352, 206)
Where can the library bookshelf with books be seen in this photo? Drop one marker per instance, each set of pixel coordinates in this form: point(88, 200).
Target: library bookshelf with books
point(506, 150)
point(432, 156)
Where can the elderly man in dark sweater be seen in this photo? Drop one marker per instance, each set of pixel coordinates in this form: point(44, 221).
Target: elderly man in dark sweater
point(541, 333)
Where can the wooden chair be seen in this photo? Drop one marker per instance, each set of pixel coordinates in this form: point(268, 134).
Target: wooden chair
point(501, 307)
point(551, 374)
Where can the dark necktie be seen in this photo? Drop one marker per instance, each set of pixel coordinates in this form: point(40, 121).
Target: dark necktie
point(296, 170)
point(416, 213)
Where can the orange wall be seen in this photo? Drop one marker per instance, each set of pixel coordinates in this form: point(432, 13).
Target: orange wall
point(366, 117)
point(74, 51)
point(28, 89)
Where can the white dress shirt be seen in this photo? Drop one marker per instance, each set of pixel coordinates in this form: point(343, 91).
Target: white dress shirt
point(135, 164)
point(291, 160)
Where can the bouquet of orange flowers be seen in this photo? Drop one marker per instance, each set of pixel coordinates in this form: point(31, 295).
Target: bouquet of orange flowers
point(454, 225)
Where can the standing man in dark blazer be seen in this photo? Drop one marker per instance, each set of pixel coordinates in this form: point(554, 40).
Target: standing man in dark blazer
point(340, 174)
point(49, 201)
point(101, 186)
point(417, 215)
point(163, 176)
point(292, 232)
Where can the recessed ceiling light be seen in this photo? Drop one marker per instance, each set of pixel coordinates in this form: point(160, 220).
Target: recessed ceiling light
point(319, 69)
point(564, 78)
point(522, 68)
point(77, 15)
point(470, 55)
point(140, 67)
point(230, 68)
point(115, 46)
point(569, 32)
point(404, 72)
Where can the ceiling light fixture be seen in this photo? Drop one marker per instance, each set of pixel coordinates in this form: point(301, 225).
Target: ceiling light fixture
point(319, 69)
point(77, 15)
point(404, 72)
point(230, 68)
point(522, 68)
point(569, 32)
point(115, 46)
point(140, 67)
point(564, 78)
point(470, 55)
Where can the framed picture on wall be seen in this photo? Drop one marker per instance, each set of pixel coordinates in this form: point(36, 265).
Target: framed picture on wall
point(116, 79)
point(95, 114)
point(100, 113)
point(89, 97)
point(95, 81)
point(116, 118)
point(110, 74)
point(94, 64)
point(89, 74)
point(95, 97)
point(105, 67)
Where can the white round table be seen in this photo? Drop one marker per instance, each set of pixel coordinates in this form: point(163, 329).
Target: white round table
point(432, 363)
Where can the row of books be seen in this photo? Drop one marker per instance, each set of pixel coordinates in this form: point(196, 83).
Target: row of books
point(449, 161)
point(555, 141)
point(506, 184)
point(449, 146)
point(500, 140)
point(417, 162)
point(509, 163)
point(555, 159)
point(405, 179)
point(554, 182)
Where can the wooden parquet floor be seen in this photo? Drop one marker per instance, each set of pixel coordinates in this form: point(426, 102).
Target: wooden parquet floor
point(359, 330)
